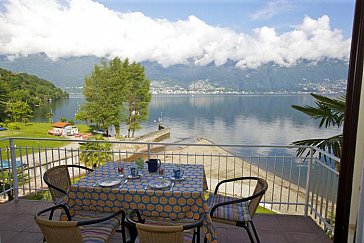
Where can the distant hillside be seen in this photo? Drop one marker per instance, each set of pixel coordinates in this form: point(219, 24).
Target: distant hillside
point(268, 77)
point(70, 72)
point(28, 88)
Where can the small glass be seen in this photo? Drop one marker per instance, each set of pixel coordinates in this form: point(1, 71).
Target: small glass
point(121, 169)
point(161, 170)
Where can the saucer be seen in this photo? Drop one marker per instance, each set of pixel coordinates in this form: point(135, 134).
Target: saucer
point(133, 177)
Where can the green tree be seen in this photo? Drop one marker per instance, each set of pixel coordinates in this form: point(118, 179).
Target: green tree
point(28, 88)
point(49, 115)
point(71, 122)
point(104, 92)
point(94, 154)
point(20, 95)
point(81, 116)
point(138, 97)
point(330, 112)
point(4, 96)
point(18, 111)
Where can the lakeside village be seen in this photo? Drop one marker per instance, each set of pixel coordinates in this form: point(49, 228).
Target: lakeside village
point(67, 130)
point(205, 87)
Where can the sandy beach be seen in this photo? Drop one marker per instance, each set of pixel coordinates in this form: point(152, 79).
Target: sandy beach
point(220, 164)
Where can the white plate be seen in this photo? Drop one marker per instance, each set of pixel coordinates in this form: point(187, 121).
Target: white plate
point(160, 184)
point(133, 177)
point(109, 182)
point(177, 179)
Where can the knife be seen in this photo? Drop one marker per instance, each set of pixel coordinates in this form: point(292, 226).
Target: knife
point(123, 184)
point(172, 186)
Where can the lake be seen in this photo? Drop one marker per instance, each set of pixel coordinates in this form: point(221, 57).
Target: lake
point(222, 119)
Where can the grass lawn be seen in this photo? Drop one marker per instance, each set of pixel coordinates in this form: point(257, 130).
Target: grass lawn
point(262, 210)
point(33, 130)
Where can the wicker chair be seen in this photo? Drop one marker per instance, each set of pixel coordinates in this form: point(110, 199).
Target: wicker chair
point(153, 231)
point(83, 227)
point(237, 211)
point(59, 181)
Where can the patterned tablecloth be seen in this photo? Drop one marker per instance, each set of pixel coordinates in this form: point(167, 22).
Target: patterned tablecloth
point(185, 201)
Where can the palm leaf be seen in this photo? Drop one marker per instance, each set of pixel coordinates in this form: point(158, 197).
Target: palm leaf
point(329, 111)
point(337, 104)
point(331, 145)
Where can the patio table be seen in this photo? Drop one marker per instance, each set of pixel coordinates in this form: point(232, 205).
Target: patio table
point(186, 201)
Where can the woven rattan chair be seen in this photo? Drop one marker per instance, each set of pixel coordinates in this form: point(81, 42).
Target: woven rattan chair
point(59, 181)
point(151, 231)
point(237, 211)
point(83, 227)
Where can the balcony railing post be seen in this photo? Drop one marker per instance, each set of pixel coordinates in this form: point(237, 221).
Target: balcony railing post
point(148, 151)
point(307, 191)
point(14, 168)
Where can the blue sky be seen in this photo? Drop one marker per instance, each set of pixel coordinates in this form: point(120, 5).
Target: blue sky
point(250, 33)
point(239, 14)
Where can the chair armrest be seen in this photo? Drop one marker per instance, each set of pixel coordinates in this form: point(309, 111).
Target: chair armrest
point(68, 166)
point(95, 221)
point(196, 224)
point(53, 208)
point(132, 222)
point(54, 187)
point(244, 199)
point(81, 167)
point(234, 179)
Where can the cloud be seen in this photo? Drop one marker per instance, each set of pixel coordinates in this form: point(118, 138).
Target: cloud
point(83, 27)
point(271, 9)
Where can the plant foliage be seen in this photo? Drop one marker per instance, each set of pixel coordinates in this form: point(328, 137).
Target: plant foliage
point(94, 154)
point(116, 91)
point(25, 88)
point(330, 112)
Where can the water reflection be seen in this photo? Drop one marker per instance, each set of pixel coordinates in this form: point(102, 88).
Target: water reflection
point(229, 119)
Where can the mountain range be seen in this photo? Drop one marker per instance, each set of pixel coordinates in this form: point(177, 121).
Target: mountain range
point(70, 72)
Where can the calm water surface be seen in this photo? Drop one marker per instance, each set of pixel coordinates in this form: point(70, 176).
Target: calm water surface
point(223, 119)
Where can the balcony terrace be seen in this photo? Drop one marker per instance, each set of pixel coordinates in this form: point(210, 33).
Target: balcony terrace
point(17, 225)
point(302, 191)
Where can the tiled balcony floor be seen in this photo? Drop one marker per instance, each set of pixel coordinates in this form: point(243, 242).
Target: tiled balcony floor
point(17, 225)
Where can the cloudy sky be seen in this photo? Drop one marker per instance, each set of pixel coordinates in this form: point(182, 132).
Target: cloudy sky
point(172, 32)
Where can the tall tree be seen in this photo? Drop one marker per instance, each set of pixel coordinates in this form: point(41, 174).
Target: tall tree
point(112, 86)
point(330, 112)
point(103, 91)
point(138, 97)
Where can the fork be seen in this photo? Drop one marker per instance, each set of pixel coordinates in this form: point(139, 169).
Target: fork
point(123, 184)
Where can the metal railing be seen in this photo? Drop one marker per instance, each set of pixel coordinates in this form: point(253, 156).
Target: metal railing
point(297, 185)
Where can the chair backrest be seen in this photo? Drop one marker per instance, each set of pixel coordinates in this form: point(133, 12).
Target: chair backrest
point(156, 233)
point(59, 231)
point(59, 177)
point(260, 189)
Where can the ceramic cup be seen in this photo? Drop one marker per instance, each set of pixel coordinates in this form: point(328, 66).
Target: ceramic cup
point(178, 172)
point(134, 171)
